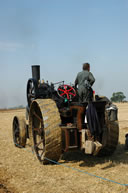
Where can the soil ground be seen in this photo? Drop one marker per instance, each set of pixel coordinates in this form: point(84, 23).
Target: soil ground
point(21, 172)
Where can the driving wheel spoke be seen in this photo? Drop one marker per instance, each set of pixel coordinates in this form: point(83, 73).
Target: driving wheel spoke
point(37, 116)
point(37, 144)
point(42, 153)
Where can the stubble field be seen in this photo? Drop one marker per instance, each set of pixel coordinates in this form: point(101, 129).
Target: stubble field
point(21, 172)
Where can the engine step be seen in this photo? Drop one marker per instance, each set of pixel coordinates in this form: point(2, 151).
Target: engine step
point(73, 147)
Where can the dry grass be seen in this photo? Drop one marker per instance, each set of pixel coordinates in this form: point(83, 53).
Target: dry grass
point(21, 172)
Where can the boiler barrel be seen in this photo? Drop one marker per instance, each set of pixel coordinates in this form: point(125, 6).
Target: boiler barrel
point(36, 72)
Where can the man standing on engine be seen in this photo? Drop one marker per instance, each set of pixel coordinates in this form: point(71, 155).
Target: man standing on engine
point(85, 80)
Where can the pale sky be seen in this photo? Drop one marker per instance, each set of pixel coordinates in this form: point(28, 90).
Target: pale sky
point(61, 35)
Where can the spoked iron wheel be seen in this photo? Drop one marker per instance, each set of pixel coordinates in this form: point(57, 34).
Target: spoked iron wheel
point(39, 146)
point(110, 138)
point(19, 132)
point(44, 130)
point(38, 136)
point(31, 90)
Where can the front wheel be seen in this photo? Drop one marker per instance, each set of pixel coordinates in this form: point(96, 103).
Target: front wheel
point(19, 131)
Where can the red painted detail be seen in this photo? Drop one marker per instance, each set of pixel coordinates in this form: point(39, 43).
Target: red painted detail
point(66, 91)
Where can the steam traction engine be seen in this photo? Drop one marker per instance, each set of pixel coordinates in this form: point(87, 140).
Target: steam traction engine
point(55, 121)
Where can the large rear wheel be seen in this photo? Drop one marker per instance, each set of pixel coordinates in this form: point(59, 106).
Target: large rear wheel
point(110, 138)
point(44, 130)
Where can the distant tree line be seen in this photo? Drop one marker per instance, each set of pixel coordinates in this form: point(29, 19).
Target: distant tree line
point(18, 107)
point(118, 97)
